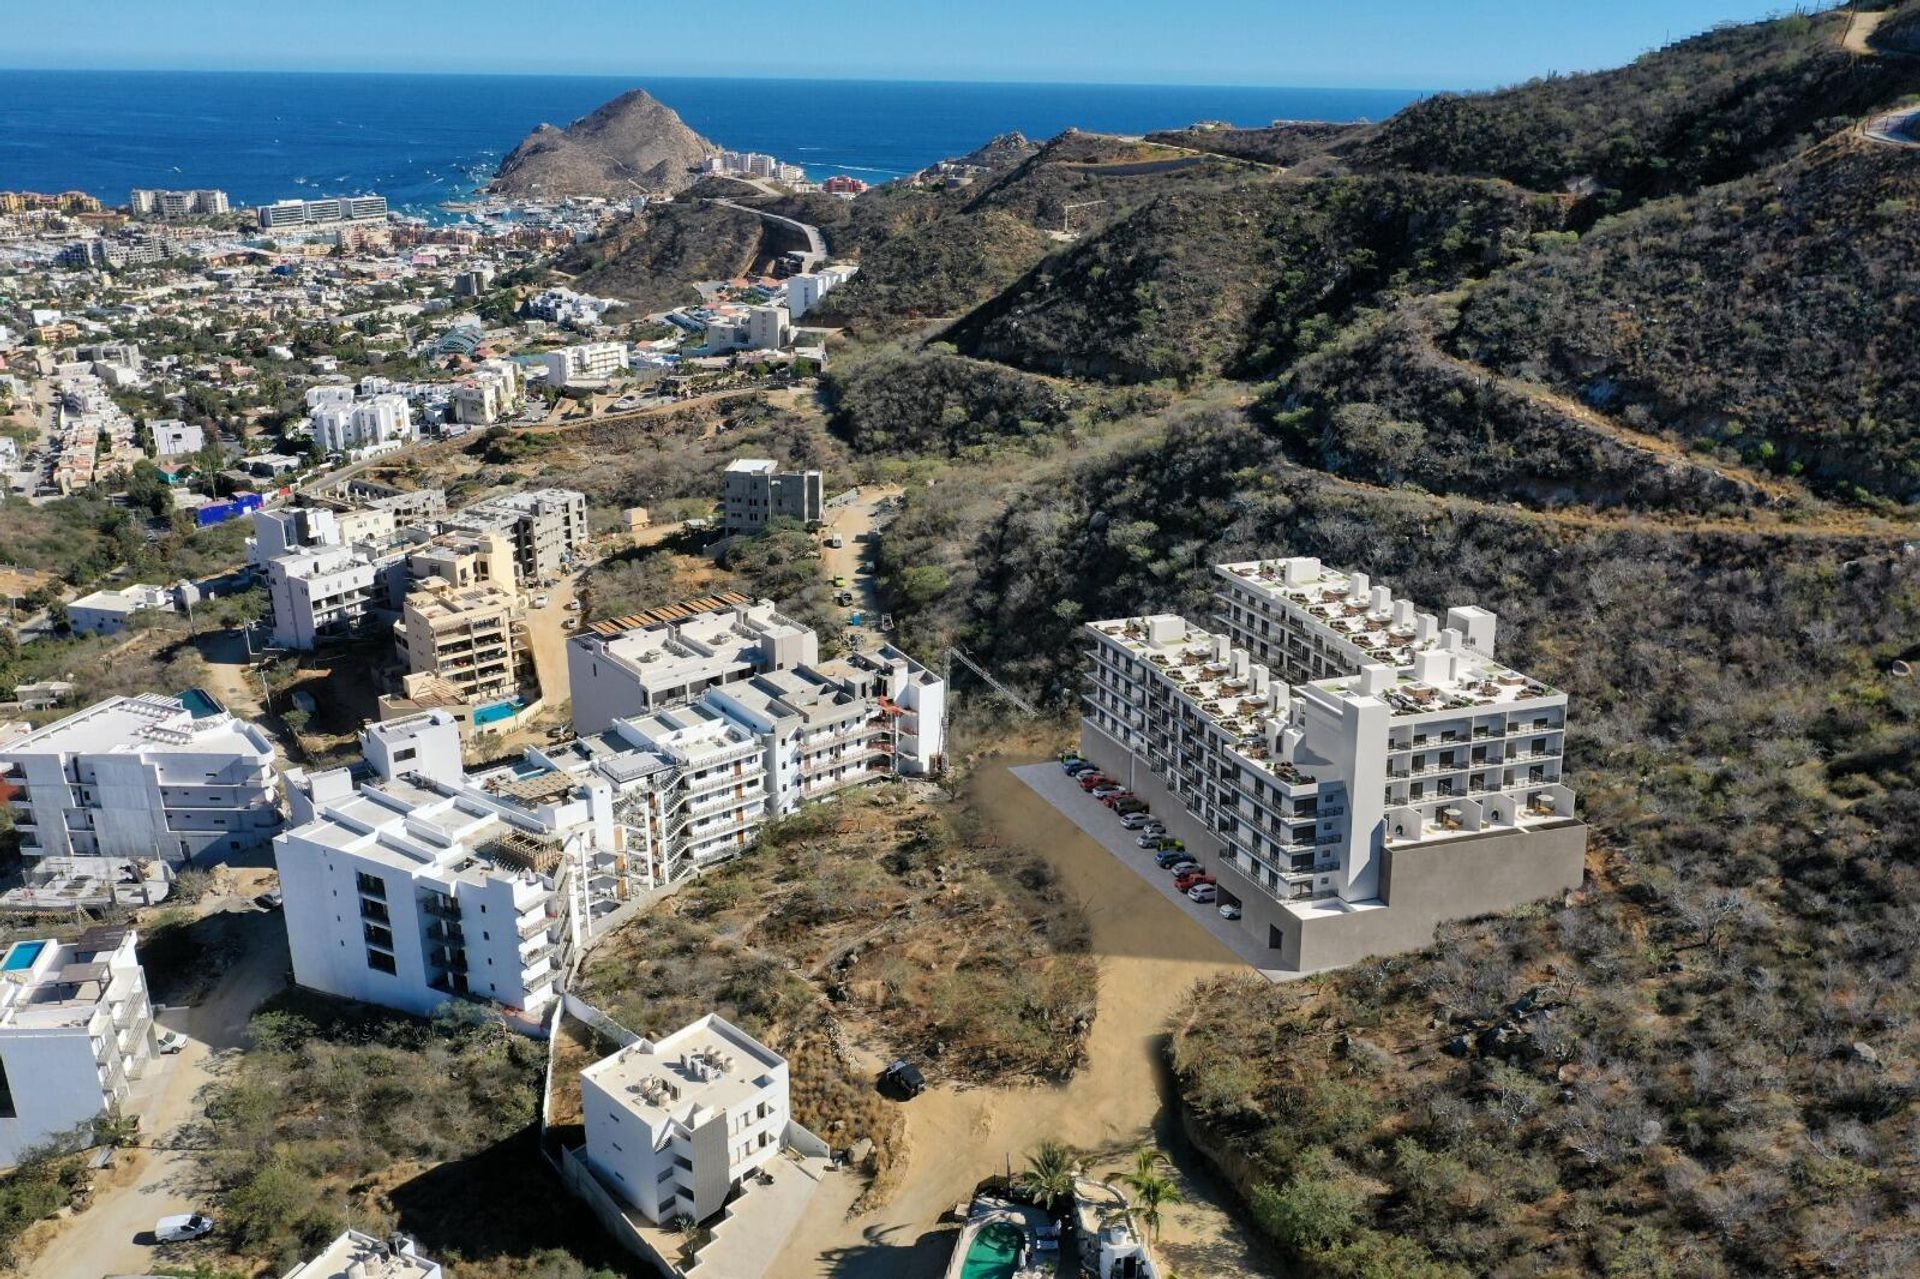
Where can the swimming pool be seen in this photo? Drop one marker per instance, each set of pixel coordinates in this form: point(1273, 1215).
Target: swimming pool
point(200, 703)
point(995, 1252)
point(21, 955)
point(499, 710)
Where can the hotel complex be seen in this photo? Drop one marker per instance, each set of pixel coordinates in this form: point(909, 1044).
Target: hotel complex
point(1352, 770)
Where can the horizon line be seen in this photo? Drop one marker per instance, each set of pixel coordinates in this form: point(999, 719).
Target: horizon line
point(789, 79)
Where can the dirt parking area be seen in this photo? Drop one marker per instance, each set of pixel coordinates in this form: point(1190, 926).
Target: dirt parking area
point(1149, 954)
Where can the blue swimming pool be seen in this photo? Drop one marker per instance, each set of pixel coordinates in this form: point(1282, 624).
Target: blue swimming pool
point(498, 710)
point(21, 955)
point(200, 703)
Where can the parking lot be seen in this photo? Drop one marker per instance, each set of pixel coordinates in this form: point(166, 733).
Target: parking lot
point(1103, 825)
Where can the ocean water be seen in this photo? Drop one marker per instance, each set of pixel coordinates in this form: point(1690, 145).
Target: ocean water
point(420, 139)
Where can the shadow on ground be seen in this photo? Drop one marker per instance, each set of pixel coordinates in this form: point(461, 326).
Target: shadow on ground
point(505, 1202)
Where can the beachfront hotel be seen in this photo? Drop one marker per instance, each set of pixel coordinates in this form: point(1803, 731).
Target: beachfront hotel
point(1352, 770)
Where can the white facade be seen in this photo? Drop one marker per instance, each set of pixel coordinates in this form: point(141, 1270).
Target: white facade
point(362, 424)
point(76, 1029)
point(110, 612)
point(674, 1125)
point(1400, 733)
point(422, 885)
point(589, 361)
point(142, 777)
point(207, 202)
point(295, 214)
point(545, 527)
point(320, 593)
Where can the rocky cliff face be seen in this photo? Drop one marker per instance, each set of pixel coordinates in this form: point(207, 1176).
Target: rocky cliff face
point(632, 144)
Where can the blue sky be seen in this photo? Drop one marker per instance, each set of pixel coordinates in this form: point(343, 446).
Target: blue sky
point(1348, 43)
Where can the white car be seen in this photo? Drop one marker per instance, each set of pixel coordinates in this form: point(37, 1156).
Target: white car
point(1134, 821)
point(1202, 893)
point(1229, 910)
point(170, 1041)
point(539, 601)
point(180, 1229)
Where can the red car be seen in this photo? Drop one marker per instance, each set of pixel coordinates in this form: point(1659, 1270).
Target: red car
point(1192, 877)
point(1094, 780)
point(1115, 799)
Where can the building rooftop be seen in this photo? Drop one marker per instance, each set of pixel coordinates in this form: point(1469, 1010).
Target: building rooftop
point(357, 1256)
point(711, 1065)
point(703, 646)
point(751, 466)
point(150, 722)
point(47, 984)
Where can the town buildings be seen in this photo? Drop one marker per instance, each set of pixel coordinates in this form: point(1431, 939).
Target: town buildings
point(76, 1029)
point(805, 290)
point(140, 777)
point(756, 493)
point(174, 438)
point(675, 1125)
point(297, 214)
point(488, 392)
point(361, 426)
point(175, 205)
point(1353, 770)
point(586, 362)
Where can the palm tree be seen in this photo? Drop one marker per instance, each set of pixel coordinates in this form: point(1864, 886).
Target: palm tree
point(1048, 1177)
point(1152, 1188)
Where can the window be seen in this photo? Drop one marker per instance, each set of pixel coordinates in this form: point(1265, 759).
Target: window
point(380, 961)
point(370, 885)
point(7, 1109)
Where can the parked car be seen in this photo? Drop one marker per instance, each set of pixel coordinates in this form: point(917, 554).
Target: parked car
point(903, 1079)
point(188, 1225)
point(1192, 877)
point(539, 601)
point(1082, 769)
point(1154, 827)
point(1104, 792)
point(571, 624)
point(1118, 797)
point(1130, 806)
point(1090, 780)
point(169, 1042)
point(573, 606)
point(1229, 910)
point(1136, 819)
point(1184, 866)
point(269, 900)
point(1148, 840)
point(1202, 893)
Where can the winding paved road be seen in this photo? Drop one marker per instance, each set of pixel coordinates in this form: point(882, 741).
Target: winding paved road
point(816, 243)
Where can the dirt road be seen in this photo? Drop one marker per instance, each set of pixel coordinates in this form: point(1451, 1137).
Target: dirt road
point(1149, 954)
point(159, 1178)
point(854, 523)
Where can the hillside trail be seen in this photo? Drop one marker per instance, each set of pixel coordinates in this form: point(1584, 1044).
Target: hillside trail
point(1656, 446)
point(1861, 24)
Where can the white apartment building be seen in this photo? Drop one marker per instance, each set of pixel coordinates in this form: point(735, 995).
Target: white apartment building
point(804, 291)
point(756, 492)
point(675, 1125)
point(631, 666)
point(1403, 778)
point(587, 362)
point(111, 611)
point(363, 425)
point(321, 593)
point(357, 1256)
point(491, 390)
point(153, 203)
point(76, 1029)
point(141, 777)
point(423, 885)
point(296, 214)
point(174, 438)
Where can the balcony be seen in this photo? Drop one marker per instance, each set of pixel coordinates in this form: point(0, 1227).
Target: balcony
point(440, 907)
